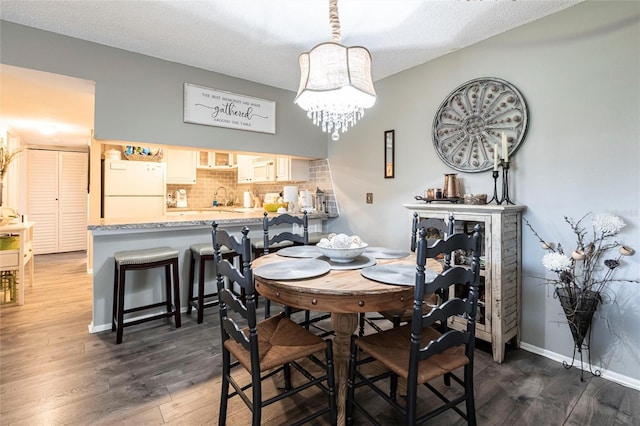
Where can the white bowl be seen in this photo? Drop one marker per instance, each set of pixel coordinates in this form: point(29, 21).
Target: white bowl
point(342, 255)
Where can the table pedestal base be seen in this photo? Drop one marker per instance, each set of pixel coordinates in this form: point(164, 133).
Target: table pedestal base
point(344, 325)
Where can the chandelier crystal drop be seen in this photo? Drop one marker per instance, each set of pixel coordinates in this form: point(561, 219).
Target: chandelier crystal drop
point(335, 82)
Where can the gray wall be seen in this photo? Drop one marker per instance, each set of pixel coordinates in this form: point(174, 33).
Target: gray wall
point(139, 98)
point(579, 73)
point(578, 70)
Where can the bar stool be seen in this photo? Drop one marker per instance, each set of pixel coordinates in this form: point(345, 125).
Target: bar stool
point(203, 253)
point(131, 260)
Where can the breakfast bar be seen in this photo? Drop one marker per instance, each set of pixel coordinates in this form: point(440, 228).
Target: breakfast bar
point(176, 231)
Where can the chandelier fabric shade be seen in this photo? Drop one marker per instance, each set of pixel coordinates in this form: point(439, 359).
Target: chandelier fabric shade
point(335, 82)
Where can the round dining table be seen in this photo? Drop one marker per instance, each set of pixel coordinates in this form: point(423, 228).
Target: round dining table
point(341, 291)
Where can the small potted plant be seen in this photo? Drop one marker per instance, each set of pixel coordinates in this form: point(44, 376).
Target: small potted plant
point(584, 271)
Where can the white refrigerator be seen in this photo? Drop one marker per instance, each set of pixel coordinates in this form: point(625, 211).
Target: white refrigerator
point(133, 189)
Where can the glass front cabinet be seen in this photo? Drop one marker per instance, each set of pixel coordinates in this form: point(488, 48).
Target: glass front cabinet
point(498, 318)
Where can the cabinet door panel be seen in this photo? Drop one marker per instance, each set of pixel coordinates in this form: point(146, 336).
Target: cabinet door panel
point(42, 202)
point(72, 206)
point(182, 166)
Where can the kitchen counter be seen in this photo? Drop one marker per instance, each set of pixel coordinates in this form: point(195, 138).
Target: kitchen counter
point(179, 218)
point(179, 231)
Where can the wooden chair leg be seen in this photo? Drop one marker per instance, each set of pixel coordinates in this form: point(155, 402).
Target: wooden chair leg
point(176, 293)
point(120, 309)
point(224, 394)
point(167, 286)
point(192, 268)
point(201, 269)
point(115, 297)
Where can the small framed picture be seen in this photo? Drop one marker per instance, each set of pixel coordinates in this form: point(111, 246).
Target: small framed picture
point(389, 154)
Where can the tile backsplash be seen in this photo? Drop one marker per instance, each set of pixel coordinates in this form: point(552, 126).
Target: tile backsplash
point(202, 193)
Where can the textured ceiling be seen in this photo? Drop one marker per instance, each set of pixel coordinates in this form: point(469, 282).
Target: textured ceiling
point(260, 40)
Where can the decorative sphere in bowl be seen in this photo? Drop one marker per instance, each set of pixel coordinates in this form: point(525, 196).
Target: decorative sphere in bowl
point(341, 248)
point(342, 255)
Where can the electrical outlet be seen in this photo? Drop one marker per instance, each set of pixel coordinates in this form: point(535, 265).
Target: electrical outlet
point(369, 197)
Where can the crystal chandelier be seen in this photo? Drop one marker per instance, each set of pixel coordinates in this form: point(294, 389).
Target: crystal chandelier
point(335, 81)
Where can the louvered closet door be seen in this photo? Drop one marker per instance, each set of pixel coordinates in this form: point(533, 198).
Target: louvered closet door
point(72, 206)
point(43, 200)
point(57, 200)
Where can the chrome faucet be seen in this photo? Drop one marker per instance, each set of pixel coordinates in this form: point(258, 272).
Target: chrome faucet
point(226, 197)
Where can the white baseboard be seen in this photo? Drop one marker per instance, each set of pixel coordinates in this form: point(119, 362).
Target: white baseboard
point(97, 329)
point(606, 374)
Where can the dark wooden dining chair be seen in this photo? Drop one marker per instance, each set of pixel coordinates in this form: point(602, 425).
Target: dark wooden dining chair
point(263, 348)
point(418, 352)
point(274, 241)
point(271, 242)
point(435, 229)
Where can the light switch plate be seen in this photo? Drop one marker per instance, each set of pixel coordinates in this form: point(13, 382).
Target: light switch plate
point(369, 197)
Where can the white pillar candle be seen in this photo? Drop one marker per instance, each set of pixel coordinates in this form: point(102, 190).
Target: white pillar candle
point(505, 148)
point(495, 157)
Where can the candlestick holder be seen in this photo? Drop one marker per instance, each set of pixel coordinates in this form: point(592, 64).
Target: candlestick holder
point(495, 175)
point(505, 183)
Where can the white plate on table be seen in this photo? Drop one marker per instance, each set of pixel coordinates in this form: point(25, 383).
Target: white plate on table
point(299, 251)
point(358, 263)
point(396, 274)
point(385, 253)
point(292, 269)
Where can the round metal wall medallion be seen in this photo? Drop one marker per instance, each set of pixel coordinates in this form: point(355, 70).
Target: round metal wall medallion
point(471, 120)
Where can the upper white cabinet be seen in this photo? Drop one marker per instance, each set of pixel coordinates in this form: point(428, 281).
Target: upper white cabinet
point(216, 160)
point(244, 168)
point(255, 169)
point(290, 169)
point(181, 166)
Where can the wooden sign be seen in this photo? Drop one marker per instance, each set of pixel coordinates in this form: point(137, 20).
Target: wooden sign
point(212, 107)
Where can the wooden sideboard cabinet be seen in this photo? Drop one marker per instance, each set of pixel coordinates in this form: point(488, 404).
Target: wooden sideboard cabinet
point(498, 319)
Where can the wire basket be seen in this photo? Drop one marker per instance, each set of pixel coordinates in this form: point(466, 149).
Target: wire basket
point(136, 156)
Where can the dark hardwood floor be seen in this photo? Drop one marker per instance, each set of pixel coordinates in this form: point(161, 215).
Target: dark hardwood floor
point(52, 371)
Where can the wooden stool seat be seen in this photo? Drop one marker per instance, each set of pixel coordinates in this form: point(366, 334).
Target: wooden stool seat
point(131, 260)
point(202, 253)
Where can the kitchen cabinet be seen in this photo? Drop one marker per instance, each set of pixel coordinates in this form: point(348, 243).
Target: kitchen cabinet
point(57, 200)
point(291, 169)
point(214, 160)
point(244, 168)
point(498, 318)
point(181, 166)
point(255, 169)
